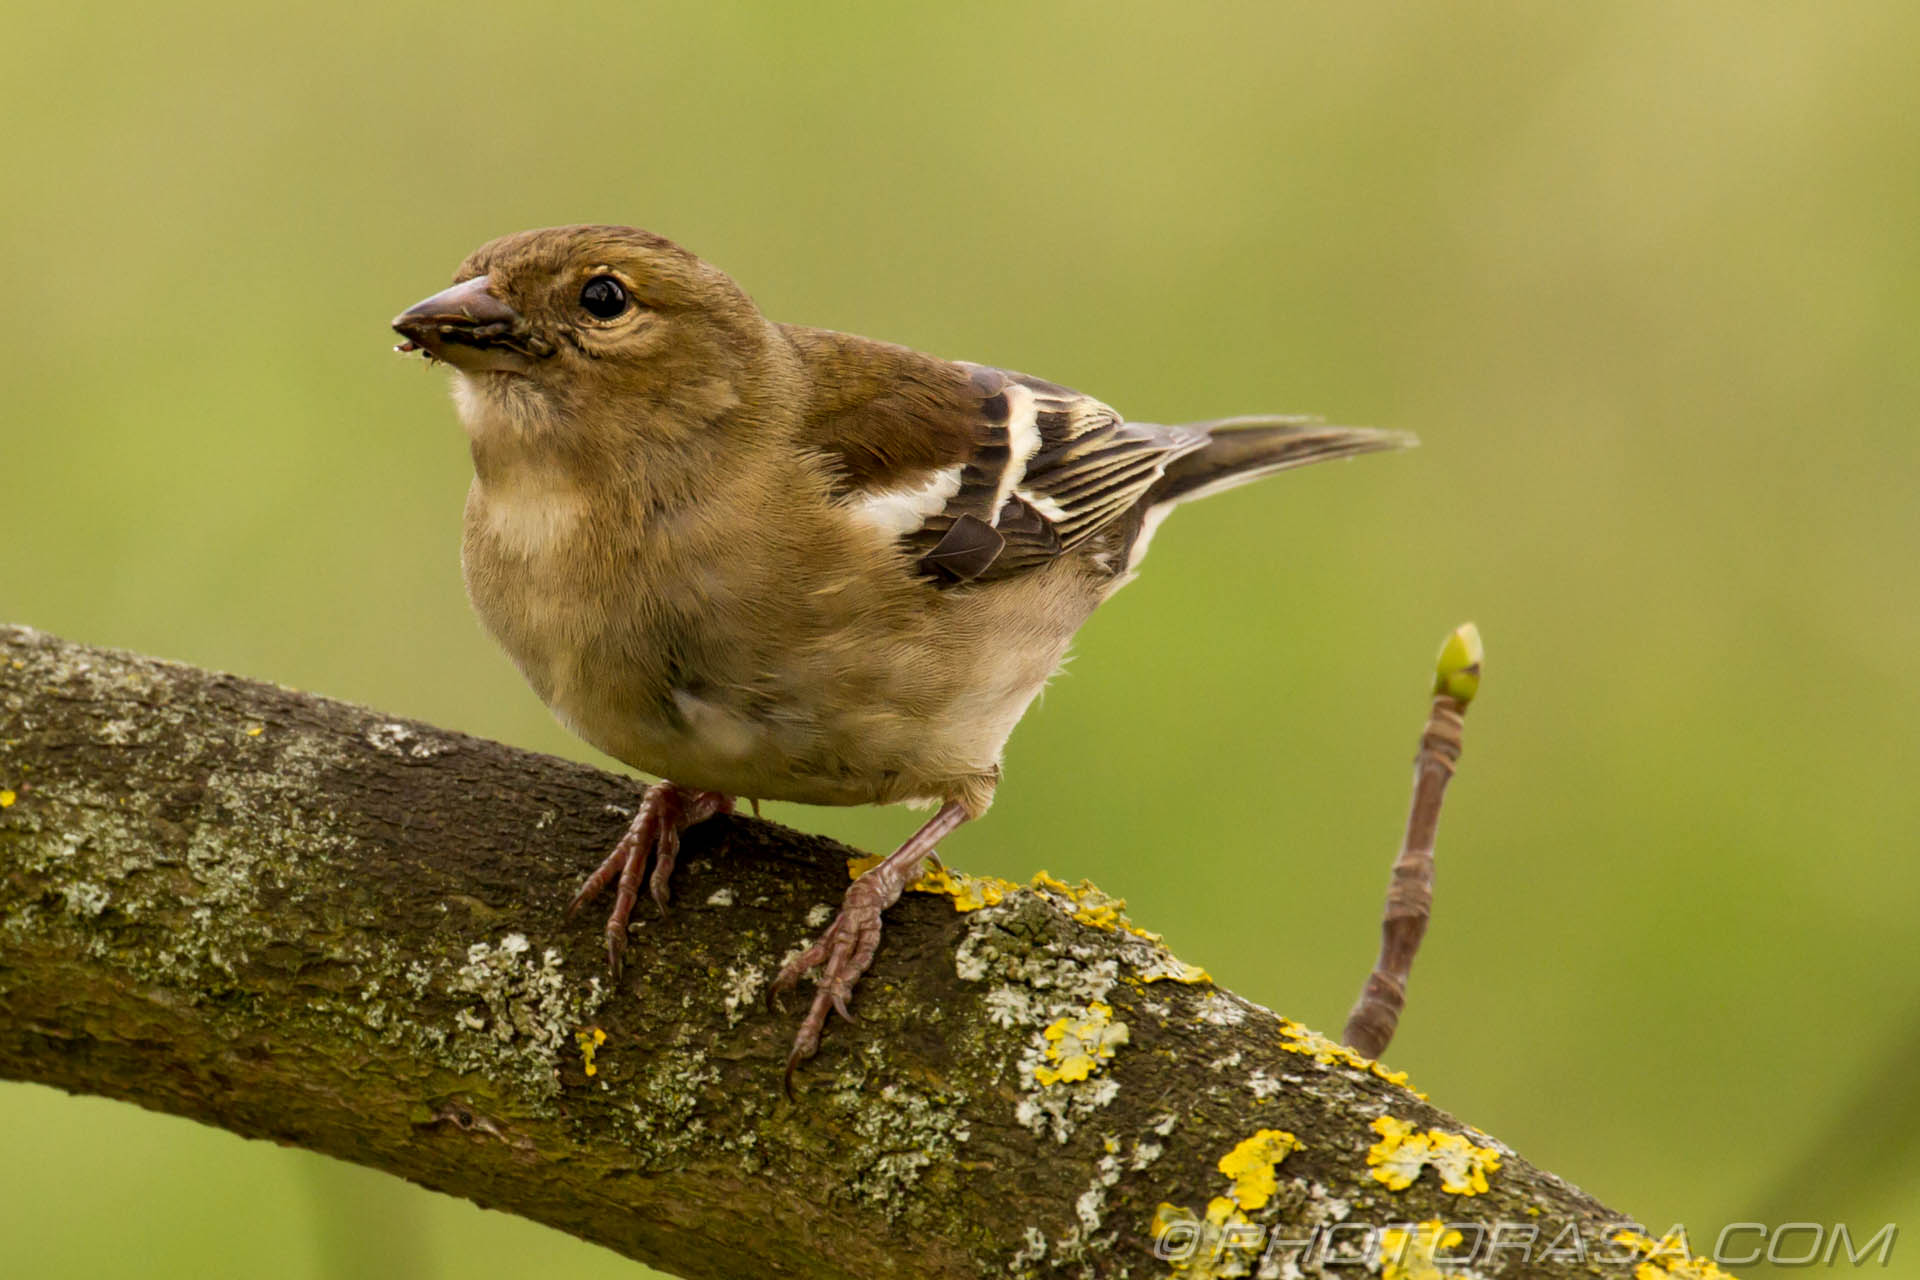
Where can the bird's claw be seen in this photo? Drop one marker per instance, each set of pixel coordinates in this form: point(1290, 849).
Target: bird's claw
point(653, 836)
point(843, 953)
point(616, 946)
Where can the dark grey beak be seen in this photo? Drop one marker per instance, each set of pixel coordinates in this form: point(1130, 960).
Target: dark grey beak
point(470, 328)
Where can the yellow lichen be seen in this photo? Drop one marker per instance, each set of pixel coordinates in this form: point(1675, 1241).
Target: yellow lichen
point(1298, 1039)
point(1402, 1153)
point(1092, 905)
point(1078, 1046)
point(1085, 902)
point(1408, 1255)
point(1179, 971)
point(1229, 1240)
point(1166, 1217)
point(1253, 1166)
point(1223, 1244)
point(1227, 1244)
point(589, 1039)
point(969, 893)
point(6, 799)
point(1668, 1257)
point(1396, 1160)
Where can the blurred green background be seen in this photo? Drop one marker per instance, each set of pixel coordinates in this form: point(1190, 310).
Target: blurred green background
point(1643, 276)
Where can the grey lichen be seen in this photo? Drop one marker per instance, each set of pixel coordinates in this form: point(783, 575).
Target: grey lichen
point(741, 991)
point(1036, 982)
point(1149, 1147)
point(661, 1118)
point(532, 1008)
point(84, 898)
point(1222, 1009)
point(903, 1132)
point(402, 740)
point(251, 831)
point(1033, 1250)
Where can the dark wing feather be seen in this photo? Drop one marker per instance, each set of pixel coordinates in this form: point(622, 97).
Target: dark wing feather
point(1048, 470)
point(980, 473)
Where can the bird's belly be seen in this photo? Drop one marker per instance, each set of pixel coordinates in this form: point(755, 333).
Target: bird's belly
point(806, 740)
point(792, 750)
point(698, 742)
point(896, 701)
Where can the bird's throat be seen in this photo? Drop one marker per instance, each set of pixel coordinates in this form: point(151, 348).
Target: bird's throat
point(503, 413)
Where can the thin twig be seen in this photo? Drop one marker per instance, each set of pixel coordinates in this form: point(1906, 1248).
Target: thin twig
point(1376, 1014)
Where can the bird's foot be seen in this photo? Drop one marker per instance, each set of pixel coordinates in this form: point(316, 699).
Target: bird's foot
point(843, 953)
point(846, 949)
point(665, 811)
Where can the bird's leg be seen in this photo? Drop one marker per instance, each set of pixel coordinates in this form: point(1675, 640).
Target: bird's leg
point(845, 950)
point(665, 811)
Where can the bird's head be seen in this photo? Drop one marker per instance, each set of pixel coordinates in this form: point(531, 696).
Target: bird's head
point(565, 321)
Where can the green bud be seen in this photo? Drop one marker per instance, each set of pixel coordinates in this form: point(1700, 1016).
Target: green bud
point(1457, 673)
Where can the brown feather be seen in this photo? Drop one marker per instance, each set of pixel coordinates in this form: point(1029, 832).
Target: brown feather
point(885, 414)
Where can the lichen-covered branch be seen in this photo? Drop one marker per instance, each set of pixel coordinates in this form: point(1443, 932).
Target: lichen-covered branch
point(302, 920)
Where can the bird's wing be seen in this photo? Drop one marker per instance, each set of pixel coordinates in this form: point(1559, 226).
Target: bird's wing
point(994, 473)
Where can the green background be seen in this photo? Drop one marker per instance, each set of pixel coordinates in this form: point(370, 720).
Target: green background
point(1644, 277)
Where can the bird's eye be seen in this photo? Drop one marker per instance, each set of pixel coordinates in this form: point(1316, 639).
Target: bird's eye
point(604, 297)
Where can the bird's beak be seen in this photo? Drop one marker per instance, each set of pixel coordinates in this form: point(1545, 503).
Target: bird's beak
point(470, 328)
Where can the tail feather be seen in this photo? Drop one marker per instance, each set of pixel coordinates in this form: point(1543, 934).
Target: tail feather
point(1242, 449)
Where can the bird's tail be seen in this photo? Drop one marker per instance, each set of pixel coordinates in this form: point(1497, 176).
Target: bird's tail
point(1242, 449)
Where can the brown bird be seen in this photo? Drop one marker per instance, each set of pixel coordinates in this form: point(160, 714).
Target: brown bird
point(765, 561)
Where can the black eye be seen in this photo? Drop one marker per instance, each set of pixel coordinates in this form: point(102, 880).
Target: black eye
point(604, 297)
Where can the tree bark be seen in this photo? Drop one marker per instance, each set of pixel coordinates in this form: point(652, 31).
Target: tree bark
point(306, 921)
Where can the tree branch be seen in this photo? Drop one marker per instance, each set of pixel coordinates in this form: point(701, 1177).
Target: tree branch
point(305, 921)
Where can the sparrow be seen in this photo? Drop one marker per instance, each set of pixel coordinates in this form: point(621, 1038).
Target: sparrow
point(763, 561)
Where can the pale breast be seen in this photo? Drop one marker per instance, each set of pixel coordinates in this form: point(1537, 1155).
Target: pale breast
point(818, 674)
